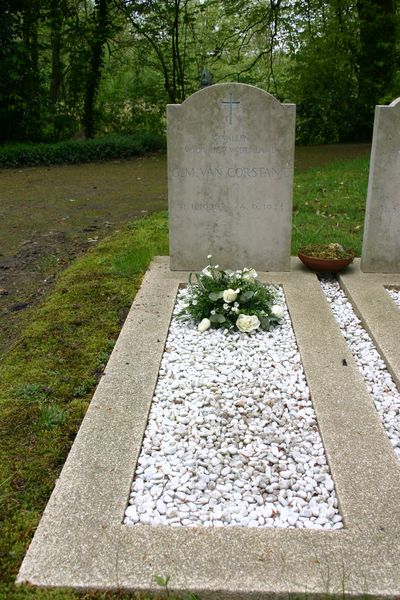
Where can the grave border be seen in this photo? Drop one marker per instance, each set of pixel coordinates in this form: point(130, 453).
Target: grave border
point(82, 543)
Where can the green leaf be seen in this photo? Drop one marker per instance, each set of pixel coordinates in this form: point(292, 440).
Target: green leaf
point(214, 296)
point(246, 296)
point(217, 318)
point(199, 281)
point(162, 581)
point(264, 322)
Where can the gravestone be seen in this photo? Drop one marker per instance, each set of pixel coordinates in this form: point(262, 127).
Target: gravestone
point(381, 242)
point(230, 179)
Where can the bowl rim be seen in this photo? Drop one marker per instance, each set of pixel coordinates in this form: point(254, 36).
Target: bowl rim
point(324, 258)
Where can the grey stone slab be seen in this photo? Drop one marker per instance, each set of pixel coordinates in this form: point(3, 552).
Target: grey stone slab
point(378, 312)
point(230, 179)
point(381, 241)
point(82, 543)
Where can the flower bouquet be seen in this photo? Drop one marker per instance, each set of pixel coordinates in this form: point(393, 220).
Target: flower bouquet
point(231, 299)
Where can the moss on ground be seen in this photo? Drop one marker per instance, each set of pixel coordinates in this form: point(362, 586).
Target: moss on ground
point(49, 377)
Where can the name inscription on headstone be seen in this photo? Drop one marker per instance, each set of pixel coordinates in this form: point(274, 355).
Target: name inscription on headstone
point(230, 172)
point(240, 172)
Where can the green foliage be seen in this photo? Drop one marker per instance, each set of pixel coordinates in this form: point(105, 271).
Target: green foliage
point(223, 298)
point(132, 97)
point(80, 151)
point(51, 416)
point(332, 251)
point(12, 60)
point(84, 388)
point(378, 24)
point(325, 90)
point(101, 34)
point(111, 66)
point(162, 581)
point(32, 392)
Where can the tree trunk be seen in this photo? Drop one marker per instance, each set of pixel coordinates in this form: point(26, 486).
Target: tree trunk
point(100, 35)
point(56, 23)
point(31, 88)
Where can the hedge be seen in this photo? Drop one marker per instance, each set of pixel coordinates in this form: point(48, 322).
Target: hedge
point(80, 151)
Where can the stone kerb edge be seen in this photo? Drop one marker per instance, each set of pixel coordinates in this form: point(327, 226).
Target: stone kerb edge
point(376, 310)
point(219, 564)
point(93, 488)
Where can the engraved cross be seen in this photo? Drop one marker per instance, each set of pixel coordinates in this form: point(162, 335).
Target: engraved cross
point(230, 103)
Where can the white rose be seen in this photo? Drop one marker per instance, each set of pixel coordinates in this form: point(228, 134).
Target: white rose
point(204, 325)
point(247, 323)
point(249, 274)
point(277, 311)
point(230, 295)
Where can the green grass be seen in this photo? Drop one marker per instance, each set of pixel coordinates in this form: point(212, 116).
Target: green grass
point(48, 378)
point(329, 205)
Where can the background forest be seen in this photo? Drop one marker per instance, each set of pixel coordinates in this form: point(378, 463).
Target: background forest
point(78, 68)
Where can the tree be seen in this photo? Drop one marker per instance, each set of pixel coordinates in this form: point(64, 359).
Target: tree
point(163, 30)
point(100, 35)
point(11, 55)
point(376, 58)
point(322, 73)
point(335, 58)
point(57, 12)
point(20, 78)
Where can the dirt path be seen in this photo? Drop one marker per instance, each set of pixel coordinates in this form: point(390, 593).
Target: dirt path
point(49, 215)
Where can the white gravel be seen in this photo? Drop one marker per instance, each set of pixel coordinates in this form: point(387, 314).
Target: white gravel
point(232, 438)
point(379, 382)
point(395, 296)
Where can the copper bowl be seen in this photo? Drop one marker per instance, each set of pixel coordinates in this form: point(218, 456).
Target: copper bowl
point(332, 265)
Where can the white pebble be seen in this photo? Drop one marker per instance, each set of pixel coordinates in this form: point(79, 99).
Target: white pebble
point(231, 437)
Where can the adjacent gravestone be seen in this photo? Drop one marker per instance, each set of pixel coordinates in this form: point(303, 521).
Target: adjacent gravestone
point(230, 179)
point(381, 243)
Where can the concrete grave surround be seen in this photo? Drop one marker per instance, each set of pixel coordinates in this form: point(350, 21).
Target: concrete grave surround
point(82, 543)
point(230, 179)
point(381, 242)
